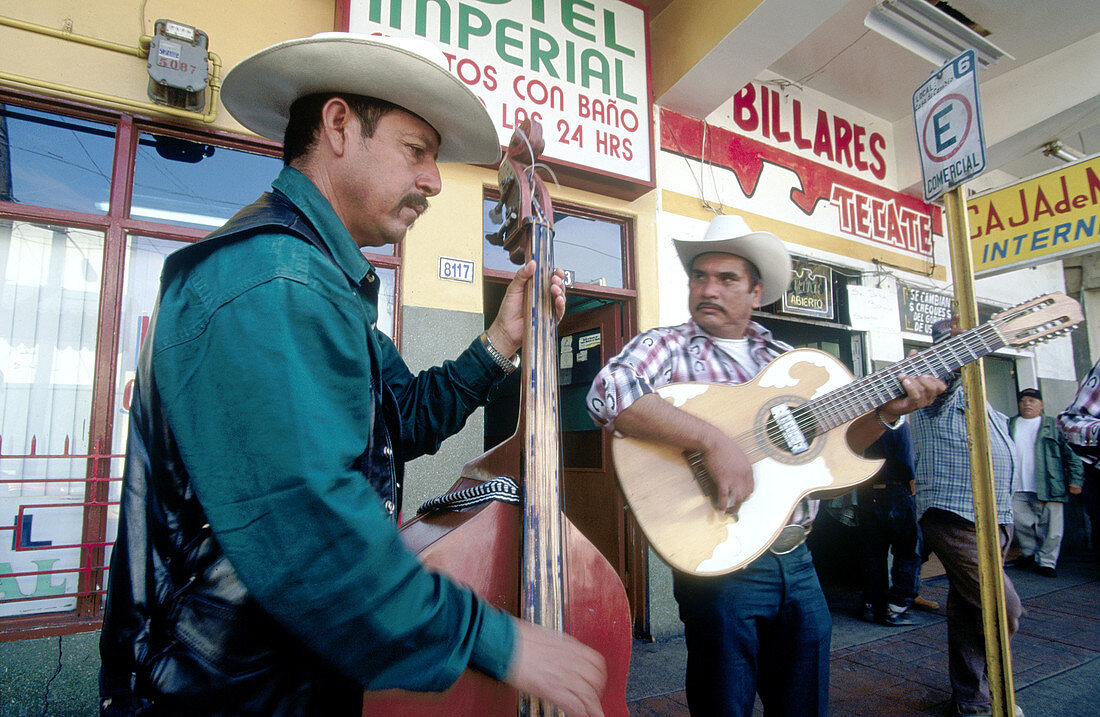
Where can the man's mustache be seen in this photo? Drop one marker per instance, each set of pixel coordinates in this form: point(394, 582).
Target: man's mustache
point(710, 305)
point(416, 200)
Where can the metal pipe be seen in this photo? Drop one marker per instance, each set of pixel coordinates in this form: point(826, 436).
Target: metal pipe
point(82, 39)
point(998, 653)
point(142, 51)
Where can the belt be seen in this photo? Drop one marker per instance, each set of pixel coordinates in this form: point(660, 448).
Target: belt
point(790, 538)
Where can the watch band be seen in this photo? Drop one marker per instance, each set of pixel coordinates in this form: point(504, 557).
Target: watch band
point(506, 364)
point(888, 426)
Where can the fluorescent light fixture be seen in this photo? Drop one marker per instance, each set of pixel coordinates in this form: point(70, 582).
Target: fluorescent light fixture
point(921, 28)
point(170, 216)
point(1060, 151)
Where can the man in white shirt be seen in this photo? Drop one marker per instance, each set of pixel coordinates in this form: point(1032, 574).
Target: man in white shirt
point(1047, 472)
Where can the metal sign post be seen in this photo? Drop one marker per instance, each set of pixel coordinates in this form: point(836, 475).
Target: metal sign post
point(998, 655)
point(947, 118)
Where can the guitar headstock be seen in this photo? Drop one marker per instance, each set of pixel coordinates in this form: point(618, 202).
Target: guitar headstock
point(1041, 319)
point(524, 198)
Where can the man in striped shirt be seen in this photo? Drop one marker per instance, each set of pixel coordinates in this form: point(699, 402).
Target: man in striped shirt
point(945, 509)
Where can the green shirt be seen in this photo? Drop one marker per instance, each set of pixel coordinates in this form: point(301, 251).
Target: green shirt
point(262, 358)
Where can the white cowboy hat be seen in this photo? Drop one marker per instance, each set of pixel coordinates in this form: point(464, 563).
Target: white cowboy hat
point(409, 72)
point(729, 234)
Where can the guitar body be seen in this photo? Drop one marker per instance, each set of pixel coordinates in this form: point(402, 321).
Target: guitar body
point(481, 548)
point(680, 520)
point(666, 495)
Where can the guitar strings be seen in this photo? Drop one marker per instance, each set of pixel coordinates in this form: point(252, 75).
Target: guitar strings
point(852, 400)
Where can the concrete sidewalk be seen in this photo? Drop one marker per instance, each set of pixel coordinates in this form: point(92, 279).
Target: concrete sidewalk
point(881, 671)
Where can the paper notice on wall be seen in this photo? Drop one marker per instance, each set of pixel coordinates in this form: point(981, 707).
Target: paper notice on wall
point(876, 312)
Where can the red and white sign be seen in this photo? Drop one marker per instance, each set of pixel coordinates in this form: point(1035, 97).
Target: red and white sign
point(864, 209)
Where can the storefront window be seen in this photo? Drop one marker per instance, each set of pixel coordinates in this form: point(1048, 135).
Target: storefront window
point(49, 306)
point(53, 161)
point(141, 281)
point(193, 184)
point(592, 248)
point(63, 425)
point(386, 299)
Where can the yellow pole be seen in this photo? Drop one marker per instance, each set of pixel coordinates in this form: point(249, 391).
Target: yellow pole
point(998, 654)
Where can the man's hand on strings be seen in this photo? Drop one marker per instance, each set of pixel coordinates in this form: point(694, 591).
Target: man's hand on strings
point(731, 471)
point(919, 392)
point(506, 332)
point(555, 667)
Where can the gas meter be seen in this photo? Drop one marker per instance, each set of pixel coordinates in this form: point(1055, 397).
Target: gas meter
point(177, 66)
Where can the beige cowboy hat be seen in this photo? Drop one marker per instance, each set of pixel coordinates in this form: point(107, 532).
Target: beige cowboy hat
point(729, 234)
point(409, 72)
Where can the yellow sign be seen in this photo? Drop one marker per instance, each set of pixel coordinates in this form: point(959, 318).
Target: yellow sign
point(1037, 220)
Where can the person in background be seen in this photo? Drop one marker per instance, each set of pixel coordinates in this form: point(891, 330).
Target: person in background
point(1048, 471)
point(945, 509)
point(258, 568)
point(887, 515)
point(1079, 424)
point(766, 627)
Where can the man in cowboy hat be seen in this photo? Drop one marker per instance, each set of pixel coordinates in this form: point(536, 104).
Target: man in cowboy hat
point(258, 569)
point(765, 628)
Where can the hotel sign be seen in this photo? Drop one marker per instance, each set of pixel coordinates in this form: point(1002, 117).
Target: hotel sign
point(1041, 219)
point(580, 67)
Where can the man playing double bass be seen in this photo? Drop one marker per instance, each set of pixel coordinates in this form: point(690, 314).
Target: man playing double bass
point(765, 628)
point(258, 570)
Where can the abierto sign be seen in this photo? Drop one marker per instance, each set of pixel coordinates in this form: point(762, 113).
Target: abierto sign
point(579, 67)
point(1047, 217)
point(948, 121)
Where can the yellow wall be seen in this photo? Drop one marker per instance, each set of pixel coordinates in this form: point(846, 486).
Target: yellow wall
point(236, 29)
point(452, 227)
point(686, 30)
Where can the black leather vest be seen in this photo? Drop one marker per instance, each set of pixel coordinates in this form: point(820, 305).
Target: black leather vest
point(181, 633)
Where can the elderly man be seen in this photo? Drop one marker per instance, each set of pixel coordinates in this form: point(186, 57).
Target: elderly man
point(765, 628)
point(945, 508)
point(258, 569)
point(1047, 472)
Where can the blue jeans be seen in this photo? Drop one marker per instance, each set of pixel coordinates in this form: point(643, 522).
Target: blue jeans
point(765, 628)
point(888, 523)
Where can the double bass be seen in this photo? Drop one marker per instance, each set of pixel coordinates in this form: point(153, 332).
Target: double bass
point(527, 559)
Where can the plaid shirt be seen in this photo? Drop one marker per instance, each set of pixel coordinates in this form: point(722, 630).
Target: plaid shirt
point(1080, 423)
point(943, 456)
point(679, 353)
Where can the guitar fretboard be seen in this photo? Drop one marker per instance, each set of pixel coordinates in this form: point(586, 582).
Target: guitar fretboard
point(851, 401)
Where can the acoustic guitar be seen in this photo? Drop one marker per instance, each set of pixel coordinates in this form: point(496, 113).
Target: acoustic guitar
point(790, 420)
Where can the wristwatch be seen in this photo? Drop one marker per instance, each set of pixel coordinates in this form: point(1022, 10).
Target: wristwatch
point(507, 365)
point(888, 426)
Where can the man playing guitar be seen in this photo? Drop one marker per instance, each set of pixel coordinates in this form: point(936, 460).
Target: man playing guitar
point(764, 628)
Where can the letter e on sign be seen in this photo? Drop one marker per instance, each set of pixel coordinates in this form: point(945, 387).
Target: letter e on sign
point(948, 122)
